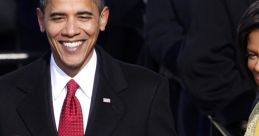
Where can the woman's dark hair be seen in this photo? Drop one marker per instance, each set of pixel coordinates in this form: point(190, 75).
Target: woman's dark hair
point(100, 3)
point(248, 23)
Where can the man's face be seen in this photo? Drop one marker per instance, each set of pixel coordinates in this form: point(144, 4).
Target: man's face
point(72, 28)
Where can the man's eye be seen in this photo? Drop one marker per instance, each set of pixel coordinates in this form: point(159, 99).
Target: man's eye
point(252, 56)
point(57, 19)
point(84, 18)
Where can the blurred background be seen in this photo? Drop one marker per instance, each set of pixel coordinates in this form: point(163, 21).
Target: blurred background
point(21, 40)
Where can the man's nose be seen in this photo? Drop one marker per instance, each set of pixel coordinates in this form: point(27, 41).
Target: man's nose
point(71, 28)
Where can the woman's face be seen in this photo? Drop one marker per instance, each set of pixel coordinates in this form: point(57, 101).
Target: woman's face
point(253, 53)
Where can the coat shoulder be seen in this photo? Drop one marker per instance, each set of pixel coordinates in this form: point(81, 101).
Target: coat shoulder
point(29, 73)
point(139, 74)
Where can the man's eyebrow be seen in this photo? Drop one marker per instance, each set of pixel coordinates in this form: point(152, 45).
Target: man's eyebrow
point(84, 13)
point(57, 14)
point(251, 51)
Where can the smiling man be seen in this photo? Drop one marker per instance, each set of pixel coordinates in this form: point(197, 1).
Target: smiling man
point(77, 89)
point(72, 27)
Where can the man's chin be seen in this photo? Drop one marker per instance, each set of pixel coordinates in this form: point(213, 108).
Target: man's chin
point(73, 66)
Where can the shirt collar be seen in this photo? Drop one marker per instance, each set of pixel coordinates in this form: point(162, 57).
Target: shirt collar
point(85, 77)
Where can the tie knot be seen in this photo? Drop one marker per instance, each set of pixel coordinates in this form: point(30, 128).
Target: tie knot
point(72, 86)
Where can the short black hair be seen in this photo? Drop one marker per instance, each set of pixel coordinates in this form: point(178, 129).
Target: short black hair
point(248, 23)
point(99, 3)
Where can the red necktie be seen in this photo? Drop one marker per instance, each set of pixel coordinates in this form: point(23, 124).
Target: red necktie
point(71, 119)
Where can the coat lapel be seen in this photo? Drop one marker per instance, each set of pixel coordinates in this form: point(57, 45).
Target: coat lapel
point(35, 109)
point(107, 108)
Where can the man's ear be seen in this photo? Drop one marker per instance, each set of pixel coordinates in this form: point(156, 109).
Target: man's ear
point(40, 16)
point(104, 18)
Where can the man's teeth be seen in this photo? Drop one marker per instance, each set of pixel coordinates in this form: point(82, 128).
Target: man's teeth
point(72, 44)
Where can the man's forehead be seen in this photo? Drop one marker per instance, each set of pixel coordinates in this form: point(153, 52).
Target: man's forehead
point(70, 4)
point(47, 1)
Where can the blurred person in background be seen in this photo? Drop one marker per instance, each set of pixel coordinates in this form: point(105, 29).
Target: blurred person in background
point(123, 38)
point(166, 26)
point(208, 63)
point(194, 44)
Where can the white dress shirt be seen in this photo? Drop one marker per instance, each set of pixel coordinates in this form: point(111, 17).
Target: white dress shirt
point(85, 80)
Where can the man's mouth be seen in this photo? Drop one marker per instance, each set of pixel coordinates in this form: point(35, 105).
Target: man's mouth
point(72, 44)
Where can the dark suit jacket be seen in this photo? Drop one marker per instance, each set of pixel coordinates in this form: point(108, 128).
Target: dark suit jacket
point(126, 13)
point(167, 22)
point(139, 101)
point(123, 36)
point(208, 60)
point(197, 38)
